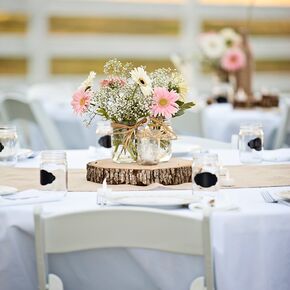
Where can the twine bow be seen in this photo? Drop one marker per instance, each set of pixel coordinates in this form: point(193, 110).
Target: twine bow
point(158, 129)
point(129, 130)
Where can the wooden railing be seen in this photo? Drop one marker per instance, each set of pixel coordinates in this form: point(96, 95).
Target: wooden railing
point(46, 39)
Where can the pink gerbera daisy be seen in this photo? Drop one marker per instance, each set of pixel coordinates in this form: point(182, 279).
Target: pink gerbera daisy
point(233, 60)
point(81, 100)
point(164, 103)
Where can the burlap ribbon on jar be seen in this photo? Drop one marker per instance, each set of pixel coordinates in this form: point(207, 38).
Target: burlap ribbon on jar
point(156, 129)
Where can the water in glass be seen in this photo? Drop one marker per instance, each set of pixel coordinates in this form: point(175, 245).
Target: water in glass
point(8, 145)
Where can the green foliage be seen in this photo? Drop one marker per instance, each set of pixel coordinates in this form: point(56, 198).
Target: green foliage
point(182, 107)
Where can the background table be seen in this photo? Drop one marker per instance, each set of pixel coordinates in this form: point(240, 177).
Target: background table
point(251, 246)
point(221, 121)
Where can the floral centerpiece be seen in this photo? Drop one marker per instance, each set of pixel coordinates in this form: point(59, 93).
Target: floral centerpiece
point(131, 97)
point(222, 52)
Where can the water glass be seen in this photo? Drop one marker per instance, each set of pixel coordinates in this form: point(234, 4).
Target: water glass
point(8, 145)
point(104, 132)
point(53, 171)
point(251, 143)
point(205, 173)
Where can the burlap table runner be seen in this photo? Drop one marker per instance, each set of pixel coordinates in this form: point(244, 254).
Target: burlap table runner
point(244, 176)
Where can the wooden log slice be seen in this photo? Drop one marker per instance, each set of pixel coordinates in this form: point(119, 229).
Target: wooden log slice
point(176, 171)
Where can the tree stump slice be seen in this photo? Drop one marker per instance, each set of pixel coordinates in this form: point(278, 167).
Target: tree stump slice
point(176, 171)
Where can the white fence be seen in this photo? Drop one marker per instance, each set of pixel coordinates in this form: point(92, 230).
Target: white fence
point(39, 46)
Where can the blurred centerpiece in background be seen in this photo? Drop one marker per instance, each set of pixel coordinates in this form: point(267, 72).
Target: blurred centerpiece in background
point(223, 54)
point(130, 98)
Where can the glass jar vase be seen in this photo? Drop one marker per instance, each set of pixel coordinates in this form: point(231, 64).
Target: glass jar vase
point(251, 143)
point(124, 145)
point(165, 151)
point(148, 146)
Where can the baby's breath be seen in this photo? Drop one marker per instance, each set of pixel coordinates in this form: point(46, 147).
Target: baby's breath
point(121, 99)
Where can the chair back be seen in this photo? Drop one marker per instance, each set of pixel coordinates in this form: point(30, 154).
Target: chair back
point(120, 228)
point(282, 131)
point(190, 123)
point(23, 112)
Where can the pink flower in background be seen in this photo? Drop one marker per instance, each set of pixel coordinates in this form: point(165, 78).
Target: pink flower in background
point(112, 82)
point(164, 103)
point(233, 60)
point(81, 100)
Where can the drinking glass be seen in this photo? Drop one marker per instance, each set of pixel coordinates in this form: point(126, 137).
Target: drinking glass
point(251, 143)
point(8, 145)
point(104, 132)
point(53, 171)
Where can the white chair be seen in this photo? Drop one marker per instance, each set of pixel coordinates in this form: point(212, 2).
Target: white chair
point(120, 228)
point(189, 123)
point(282, 131)
point(24, 113)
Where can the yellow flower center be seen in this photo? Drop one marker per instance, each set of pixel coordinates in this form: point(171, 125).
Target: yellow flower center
point(82, 102)
point(163, 102)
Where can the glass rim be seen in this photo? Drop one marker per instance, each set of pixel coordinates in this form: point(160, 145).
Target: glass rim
point(205, 155)
point(251, 125)
point(53, 154)
point(7, 127)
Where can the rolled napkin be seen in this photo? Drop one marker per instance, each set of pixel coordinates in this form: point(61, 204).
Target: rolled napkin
point(279, 155)
point(219, 204)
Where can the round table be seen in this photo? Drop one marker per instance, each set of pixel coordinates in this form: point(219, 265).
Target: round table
point(221, 121)
point(251, 244)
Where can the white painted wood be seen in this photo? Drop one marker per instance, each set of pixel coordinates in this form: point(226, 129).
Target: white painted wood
point(124, 227)
point(39, 250)
point(160, 230)
point(40, 46)
point(36, 37)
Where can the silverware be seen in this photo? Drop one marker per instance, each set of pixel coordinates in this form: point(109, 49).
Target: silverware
point(270, 199)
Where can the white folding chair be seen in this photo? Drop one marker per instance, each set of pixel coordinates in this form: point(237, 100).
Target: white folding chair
point(120, 228)
point(282, 131)
point(23, 113)
point(189, 123)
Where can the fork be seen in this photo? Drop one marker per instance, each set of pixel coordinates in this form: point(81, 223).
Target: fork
point(270, 199)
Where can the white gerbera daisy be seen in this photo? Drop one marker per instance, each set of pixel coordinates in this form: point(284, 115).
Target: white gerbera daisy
point(139, 75)
point(89, 81)
point(212, 45)
point(231, 38)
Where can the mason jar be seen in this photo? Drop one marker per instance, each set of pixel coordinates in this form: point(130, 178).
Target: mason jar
point(104, 132)
point(251, 143)
point(166, 142)
point(148, 146)
point(53, 171)
point(205, 173)
point(8, 145)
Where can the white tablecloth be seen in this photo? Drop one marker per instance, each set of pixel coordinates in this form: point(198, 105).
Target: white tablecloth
point(221, 121)
point(251, 246)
